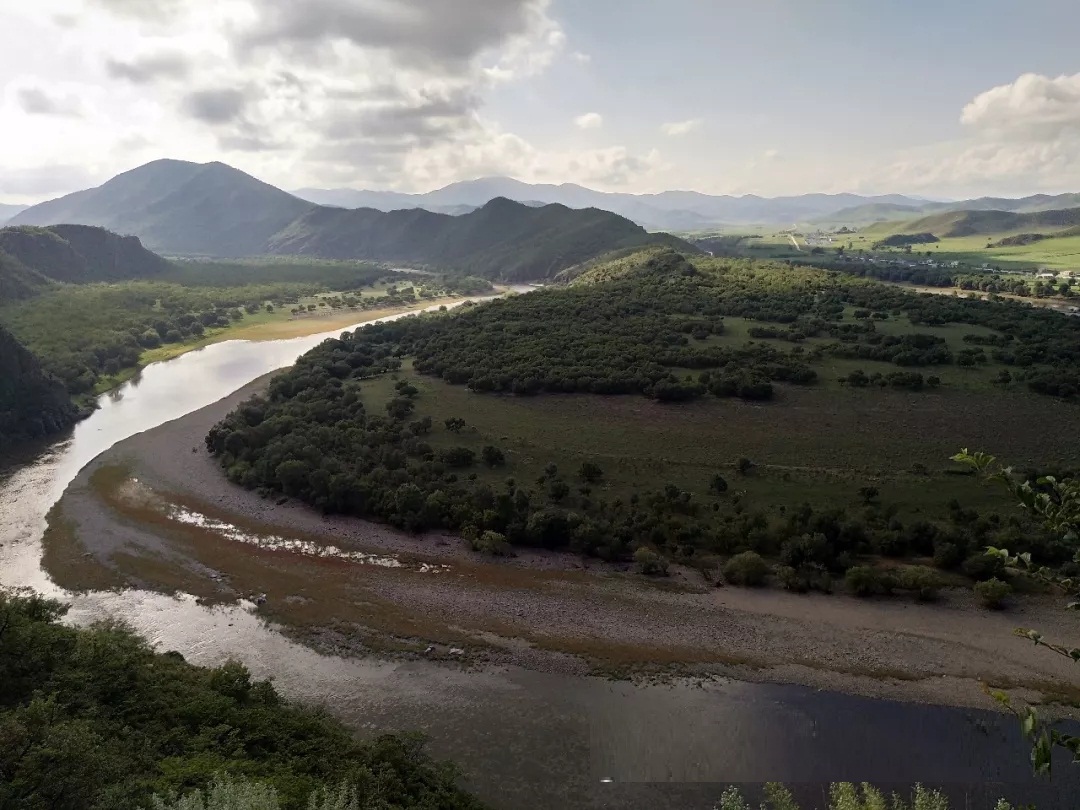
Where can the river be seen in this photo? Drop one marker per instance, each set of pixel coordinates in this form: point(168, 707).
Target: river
point(523, 738)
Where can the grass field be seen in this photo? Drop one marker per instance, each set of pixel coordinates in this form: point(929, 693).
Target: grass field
point(1060, 254)
point(816, 445)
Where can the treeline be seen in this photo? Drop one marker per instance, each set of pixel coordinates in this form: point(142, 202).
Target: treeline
point(94, 719)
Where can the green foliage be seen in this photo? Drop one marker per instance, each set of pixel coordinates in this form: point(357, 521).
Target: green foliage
point(747, 569)
point(847, 796)
point(503, 239)
point(992, 593)
point(492, 543)
point(650, 563)
point(32, 402)
point(94, 719)
point(865, 580)
point(1056, 504)
point(924, 582)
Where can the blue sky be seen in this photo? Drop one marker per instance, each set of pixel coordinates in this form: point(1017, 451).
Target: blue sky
point(947, 99)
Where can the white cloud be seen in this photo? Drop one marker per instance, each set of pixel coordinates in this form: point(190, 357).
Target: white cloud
point(589, 121)
point(1023, 137)
point(580, 58)
point(356, 92)
point(676, 128)
point(1033, 107)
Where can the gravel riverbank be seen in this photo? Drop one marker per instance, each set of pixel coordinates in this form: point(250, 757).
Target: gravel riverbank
point(545, 612)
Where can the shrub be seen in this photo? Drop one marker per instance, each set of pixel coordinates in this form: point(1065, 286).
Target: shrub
point(590, 472)
point(493, 456)
point(924, 582)
point(983, 566)
point(865, 580)
point(718, 484)
point(747, 569)
point(650, 563)
point(491, 543)
point(948, 555)
point(992, 593)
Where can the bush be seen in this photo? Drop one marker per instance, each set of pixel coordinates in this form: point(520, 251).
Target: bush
point(982, 566)
point(865, 580)
point(992, 593)
point(650, 563)
point(924, 582)
point(493, 456)
point(747, 569)
point(491, 543)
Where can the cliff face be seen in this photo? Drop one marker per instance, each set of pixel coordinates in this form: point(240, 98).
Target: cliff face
point(33, 403)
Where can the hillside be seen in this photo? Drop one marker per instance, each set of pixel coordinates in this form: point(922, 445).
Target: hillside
point(875, 212)
point(32, 403)
point(179, 208)
point(7, 211)
point(991, 222)
point(79, 253)
point(667, 210)
point(503, 239)
point(17, 281)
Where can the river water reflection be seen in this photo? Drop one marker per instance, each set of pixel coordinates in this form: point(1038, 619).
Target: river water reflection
point(525, 739)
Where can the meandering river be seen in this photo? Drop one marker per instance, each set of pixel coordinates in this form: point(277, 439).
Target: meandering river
point(524, 739)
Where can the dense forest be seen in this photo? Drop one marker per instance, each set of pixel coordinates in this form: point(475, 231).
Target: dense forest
point(94, 719)
point(108, 326)
point(653, 330)
point(33, 403)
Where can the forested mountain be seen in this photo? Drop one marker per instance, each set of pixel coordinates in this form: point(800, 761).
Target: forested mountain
point(178, 207)
point(504, 239)
point(77, 254)
point(190, 209)
point(17, 281)
point(32, 402)
point(668, 210)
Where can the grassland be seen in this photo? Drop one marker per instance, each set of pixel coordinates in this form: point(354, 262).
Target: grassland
point(816, 445)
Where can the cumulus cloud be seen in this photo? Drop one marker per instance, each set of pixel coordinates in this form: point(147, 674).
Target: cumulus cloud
point(589, 121)
point(1032, 107)
point(676, 128)
point(149, 68)
point(36, 100)
point(343, 92)
point(1022, 136)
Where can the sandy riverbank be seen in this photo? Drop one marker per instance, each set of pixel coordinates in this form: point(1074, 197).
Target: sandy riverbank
point(554, 613)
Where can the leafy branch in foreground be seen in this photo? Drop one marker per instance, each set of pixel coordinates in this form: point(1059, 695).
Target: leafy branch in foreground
point(846, 796)
point(1055, 503)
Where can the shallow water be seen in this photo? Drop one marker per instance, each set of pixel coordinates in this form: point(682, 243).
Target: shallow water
point(525, 739)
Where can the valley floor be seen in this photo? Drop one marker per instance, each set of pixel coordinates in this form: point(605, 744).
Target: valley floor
point(156, 512)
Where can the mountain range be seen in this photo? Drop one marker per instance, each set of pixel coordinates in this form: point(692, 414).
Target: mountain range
point(8, 211)
point(667, 210)
point(190, 209)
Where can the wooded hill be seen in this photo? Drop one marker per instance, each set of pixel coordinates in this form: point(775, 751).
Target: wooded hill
point(31, 258)
point(189, 209)
point(33, 403)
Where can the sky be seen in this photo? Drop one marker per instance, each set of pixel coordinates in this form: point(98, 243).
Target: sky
point(947, 99)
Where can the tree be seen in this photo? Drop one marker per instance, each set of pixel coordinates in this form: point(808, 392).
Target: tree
point(455, 424)
point(718, 484)
point(590, 472)
point(747, 569)
point(493, 456)
point(558, 489)
point(868, 494)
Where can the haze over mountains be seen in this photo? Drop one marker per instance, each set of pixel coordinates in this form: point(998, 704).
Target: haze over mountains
point(668, 210)
point(214, 210)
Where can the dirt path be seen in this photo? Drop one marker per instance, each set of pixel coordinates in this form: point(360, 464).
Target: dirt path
point(545, 612)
